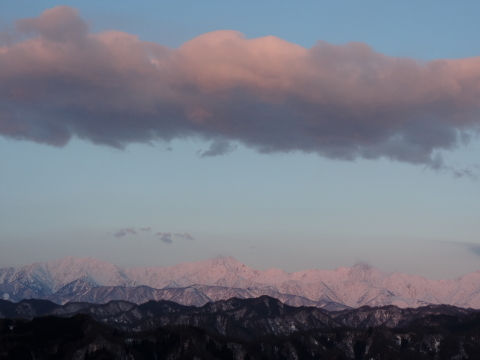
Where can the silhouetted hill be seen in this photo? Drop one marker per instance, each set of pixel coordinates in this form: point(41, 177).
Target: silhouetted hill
point(80, 337)
point(242, 318)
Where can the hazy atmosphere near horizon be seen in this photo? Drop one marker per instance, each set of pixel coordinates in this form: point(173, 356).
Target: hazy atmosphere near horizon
point(291, 135)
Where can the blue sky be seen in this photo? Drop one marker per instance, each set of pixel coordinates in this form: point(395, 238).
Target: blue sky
point(292, 209)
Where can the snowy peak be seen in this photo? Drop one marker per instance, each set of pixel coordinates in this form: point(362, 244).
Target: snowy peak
point(70, 268)
point(44, 278)
point(88, 279)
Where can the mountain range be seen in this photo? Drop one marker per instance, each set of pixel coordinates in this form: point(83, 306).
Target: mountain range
point(238, 329)
point(241, 318)
point(93, 281)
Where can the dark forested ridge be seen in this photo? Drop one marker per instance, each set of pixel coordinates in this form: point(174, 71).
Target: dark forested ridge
point(81, 337)
point(244, 318)
point(261, 328)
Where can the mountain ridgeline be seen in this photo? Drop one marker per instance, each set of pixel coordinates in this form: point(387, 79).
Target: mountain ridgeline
point(259, 328)
point(242, 318)
point(88, 280)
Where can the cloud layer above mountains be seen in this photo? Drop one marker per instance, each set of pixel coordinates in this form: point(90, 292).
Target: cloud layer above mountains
point(60, 81)
point(166, 237)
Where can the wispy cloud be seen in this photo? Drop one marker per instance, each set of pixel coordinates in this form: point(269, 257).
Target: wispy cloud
point(469, 172)
point(218, 147)
point(338, 101)
point(166, 237)
point(185, 236)
point(471, 247)
point(474, 248)
point(122, 232)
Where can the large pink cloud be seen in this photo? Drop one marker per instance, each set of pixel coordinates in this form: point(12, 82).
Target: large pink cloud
point(58, 81)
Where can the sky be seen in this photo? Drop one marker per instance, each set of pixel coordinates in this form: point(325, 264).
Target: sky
point(315, 134)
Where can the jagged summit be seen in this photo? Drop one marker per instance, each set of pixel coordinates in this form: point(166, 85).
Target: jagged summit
point(88, 279)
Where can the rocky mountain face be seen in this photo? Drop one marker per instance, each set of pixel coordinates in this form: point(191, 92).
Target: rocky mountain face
point(94, 281)
point(80, 337)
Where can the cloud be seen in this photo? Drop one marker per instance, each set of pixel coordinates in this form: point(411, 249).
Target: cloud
point(218, 147)
point(185, 236)
point(148, 229)
point(471, 247)
point(470, 172)
point(475, 248)
point(165, 237)
point(122, 232)
point(339, 101)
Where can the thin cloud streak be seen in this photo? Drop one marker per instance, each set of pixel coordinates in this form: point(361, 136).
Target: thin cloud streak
point(338, 101)
point(123, 232)
point(185, 236)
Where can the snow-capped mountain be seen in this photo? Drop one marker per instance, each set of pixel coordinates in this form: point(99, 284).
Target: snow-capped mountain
point(90, 280)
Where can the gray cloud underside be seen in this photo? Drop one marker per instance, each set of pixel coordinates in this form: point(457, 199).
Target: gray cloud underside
point(122, 232)
point(185, 236)
point(218, 147)
point(59, 81)
point(474, 248)
point(165, 237)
